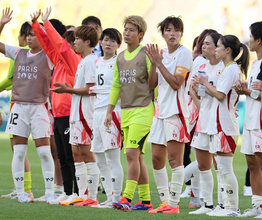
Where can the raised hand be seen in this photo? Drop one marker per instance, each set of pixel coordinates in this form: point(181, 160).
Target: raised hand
point(153, 54)
point(6, 15)
point(35, 16)
point(46, 15)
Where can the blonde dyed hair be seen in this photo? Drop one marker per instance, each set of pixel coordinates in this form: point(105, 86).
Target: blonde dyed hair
point(138, 21)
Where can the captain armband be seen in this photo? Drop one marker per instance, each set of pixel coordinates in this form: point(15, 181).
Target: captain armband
point(182, 71)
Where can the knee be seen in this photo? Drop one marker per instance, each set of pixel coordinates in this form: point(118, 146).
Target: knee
point(158, 162)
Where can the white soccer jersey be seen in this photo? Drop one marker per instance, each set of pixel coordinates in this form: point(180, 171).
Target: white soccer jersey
point(104, 79)
point(193, 111)
point(213, 72)
point(253, 107)
point(226, 112)
point(169, 101)
point(85, 74)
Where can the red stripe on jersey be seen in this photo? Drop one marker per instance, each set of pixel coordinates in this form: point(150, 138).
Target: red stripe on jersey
point(231, 143)
point(218, 123)
point(260, 120)
point(228, 98)
point(181, 116)
point(192, 132)
point(178, 103)
point(114, 118)
point(186, 78)
point(82, 119)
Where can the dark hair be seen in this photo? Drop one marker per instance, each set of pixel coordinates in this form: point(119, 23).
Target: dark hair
point(215, 37)
point(113, 34)
point(256, 30)
point(194, 42)
point(24, 28)
point(201, 39)
point(85, 32)
point(69, 26)
point(58, 25)
point(235, 45)
point(69, 36)
point(175, 21)
point(29, 28)
point(91, 19)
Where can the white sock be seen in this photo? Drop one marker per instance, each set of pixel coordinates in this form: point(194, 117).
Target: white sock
point(177, 181)
point(191, 170)
point(117, 174)
point(18, 166)
point(47, 163)
point(161, 180)
point(195, 185)
point(219, 189)
point(92, 180)
point(81, 179)
point(256, 201)
point(105, 175)
point(225, 167)
point(58, 189)
point(207, 185)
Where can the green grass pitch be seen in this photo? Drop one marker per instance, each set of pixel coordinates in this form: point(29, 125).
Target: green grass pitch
point(11, 209)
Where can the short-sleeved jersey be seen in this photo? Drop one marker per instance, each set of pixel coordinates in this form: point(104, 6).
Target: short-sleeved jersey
point(170, 102)
point(193, 111)
point(104, 79)
point(224, 111)
point(85, 74)
point(253, 107)
point(213, 72)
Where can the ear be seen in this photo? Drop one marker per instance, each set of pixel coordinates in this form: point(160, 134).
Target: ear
point(141, 35)
point(87, 42)
point(259, 41)
point(100, 42)
point(228, 50)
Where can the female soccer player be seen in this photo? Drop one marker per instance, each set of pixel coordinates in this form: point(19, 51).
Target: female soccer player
point(223, 126)
point(29, 113)
point(107, 144)
point(169, 132)
point(200, 140)
point(251, 139)
point(130, 81)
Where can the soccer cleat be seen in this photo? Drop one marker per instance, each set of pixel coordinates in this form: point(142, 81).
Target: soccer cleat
point(165, 208)
point(87, 202)
point(252, 212)
point(12, 195)
point(49, 197)
point(74, 201)
point(141, 206)
point(40, 199)
point(104, 205)
point(159, 208)
point(186, 193)
point(228, 212)
point(247, 191)
point(195, 203)
point(123, 205)
point(259, 216)
point(25, 197)
point(62, 197)
point(215, 211)
point(202, 210)
point(69, 199)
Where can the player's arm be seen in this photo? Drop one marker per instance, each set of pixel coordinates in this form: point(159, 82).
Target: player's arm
point(153, 76)
point(193, 93)
point(6, 17)
point(65, 88)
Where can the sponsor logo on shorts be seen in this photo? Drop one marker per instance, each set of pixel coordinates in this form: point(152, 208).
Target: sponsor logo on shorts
point(113, 144)
point(67, 131)
point(133, 141)
point(161, 194)
point(257, 147)
point(174, 135)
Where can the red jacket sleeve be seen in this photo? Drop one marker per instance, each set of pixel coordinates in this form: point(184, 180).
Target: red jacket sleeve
point(67, 55)
point(45, 43)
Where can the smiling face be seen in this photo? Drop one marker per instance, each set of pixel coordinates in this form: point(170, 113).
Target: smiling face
point(109, 45)
point(172, 35)
point(208, 48)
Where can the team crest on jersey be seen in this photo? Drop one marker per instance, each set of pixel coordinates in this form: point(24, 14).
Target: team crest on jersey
point(219, 73)
point(137, 63)
point(110, 66)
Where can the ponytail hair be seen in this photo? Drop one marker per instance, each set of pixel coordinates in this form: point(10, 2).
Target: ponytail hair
point(235, 45)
